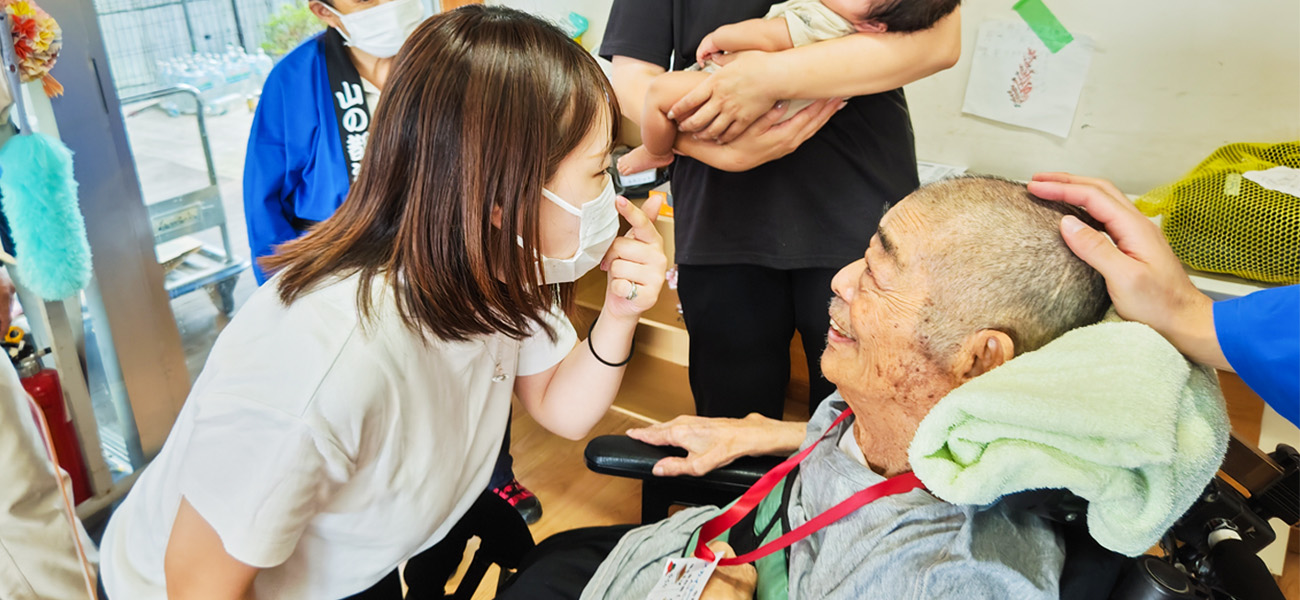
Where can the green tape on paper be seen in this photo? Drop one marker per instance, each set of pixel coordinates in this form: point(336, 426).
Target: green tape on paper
point(1045, 24)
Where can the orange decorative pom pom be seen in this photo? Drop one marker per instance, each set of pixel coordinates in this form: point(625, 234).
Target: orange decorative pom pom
point(37, 41)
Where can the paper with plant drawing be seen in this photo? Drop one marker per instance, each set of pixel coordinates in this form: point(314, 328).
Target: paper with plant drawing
point(1015, 79)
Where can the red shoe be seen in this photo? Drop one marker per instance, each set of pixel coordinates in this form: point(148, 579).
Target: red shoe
point(529, 507)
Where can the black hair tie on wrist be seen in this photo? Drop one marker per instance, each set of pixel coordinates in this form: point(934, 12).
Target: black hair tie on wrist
point(630, 351)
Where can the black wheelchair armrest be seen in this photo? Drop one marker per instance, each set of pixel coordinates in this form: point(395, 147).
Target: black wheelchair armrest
point(622, 456)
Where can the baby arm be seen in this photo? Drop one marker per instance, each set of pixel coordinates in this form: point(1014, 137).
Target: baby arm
point(658, 132)
point(768, 35)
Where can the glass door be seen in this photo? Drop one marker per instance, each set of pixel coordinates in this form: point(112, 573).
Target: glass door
point(116, 346)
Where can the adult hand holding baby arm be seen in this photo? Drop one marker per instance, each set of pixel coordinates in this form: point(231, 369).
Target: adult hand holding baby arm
point(738, 93)
point(715, 442)
point(730, 101)
point(1146, 281)
point(764, 142)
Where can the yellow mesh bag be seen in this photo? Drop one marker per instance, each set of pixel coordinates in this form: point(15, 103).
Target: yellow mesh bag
point(1218, 220)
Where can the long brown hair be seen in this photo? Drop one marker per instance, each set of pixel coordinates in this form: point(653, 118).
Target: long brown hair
point(482, 105)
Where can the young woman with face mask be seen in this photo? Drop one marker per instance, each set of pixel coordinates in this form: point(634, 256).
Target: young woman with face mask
point(351, 412)
point(309, 136)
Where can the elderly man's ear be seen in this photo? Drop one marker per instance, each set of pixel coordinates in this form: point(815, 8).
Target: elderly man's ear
point(982, 352)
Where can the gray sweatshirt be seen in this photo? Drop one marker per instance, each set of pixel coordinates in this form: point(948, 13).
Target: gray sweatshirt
point(908, 546)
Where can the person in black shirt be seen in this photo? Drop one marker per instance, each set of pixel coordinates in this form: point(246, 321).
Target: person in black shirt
point(764, 218)
point(787, 25)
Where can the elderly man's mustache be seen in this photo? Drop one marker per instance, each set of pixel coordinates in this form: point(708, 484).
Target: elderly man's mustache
point(840, 321)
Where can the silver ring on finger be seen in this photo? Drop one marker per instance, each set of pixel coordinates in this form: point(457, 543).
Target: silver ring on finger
point(632, 294)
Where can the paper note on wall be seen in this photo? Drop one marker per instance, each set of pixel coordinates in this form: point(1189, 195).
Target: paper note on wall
point(1015, 79)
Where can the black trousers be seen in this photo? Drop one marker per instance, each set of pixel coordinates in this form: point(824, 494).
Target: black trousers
point(504, 470)
point(559, 567)
point(741, 319)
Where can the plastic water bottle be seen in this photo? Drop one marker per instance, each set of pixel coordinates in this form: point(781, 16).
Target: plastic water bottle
point(167, 77)
point(237, 73)
point(188, 75)
point(220, 87)
point(215, 85)
point(262, 65)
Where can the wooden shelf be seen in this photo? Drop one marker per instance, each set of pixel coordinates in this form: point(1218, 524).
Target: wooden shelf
point(655, 389)
point(663, 315)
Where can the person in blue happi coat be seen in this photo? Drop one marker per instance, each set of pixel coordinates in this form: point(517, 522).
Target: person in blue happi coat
point(313, 118)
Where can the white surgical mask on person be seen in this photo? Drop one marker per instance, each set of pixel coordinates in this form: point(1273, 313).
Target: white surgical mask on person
point(596, 231)
point(381, 30)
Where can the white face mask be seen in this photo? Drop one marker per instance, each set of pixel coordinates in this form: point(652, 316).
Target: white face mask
point(381, 30)
point(596, 231)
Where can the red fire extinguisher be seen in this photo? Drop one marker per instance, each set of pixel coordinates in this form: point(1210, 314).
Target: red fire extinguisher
point(43, 386)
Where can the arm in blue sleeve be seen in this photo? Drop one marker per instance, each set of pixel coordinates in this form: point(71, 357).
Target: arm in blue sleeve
point(267, 170)
point(1260, 336)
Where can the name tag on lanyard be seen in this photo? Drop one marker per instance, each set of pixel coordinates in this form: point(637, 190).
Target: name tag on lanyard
point(683, 579)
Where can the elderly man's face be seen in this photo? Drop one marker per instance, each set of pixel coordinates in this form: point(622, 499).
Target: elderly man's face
point(874, 353)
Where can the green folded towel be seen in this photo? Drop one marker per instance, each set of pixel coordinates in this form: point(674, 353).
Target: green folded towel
point(1111, 412)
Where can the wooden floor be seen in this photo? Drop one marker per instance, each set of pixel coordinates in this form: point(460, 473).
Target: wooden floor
point(572, 497)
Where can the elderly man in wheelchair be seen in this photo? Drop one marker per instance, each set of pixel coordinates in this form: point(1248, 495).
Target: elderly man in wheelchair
point(972, 363)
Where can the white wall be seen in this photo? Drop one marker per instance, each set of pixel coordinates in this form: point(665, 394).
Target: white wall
point(596, 11)
point(1171, 80)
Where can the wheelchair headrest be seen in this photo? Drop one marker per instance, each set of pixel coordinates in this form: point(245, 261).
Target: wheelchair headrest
point(1056, 505)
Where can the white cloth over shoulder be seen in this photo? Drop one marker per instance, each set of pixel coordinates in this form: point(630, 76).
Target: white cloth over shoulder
point(1112, 412)
point(325, 450)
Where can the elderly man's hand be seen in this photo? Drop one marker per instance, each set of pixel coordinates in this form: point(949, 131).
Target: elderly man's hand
point(714, 442)
point(1145, 279)
point(730, 583)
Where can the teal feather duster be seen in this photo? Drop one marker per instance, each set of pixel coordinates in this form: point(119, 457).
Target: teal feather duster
point(39, 196)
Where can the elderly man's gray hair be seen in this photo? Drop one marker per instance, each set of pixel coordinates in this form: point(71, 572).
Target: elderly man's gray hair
point(998, 262)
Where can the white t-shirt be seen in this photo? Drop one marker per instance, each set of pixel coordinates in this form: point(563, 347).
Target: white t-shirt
point(372, 93)
point(849, 445)
point(322, 450)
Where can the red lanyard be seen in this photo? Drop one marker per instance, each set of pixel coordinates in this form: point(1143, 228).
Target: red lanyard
point(749, 501)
